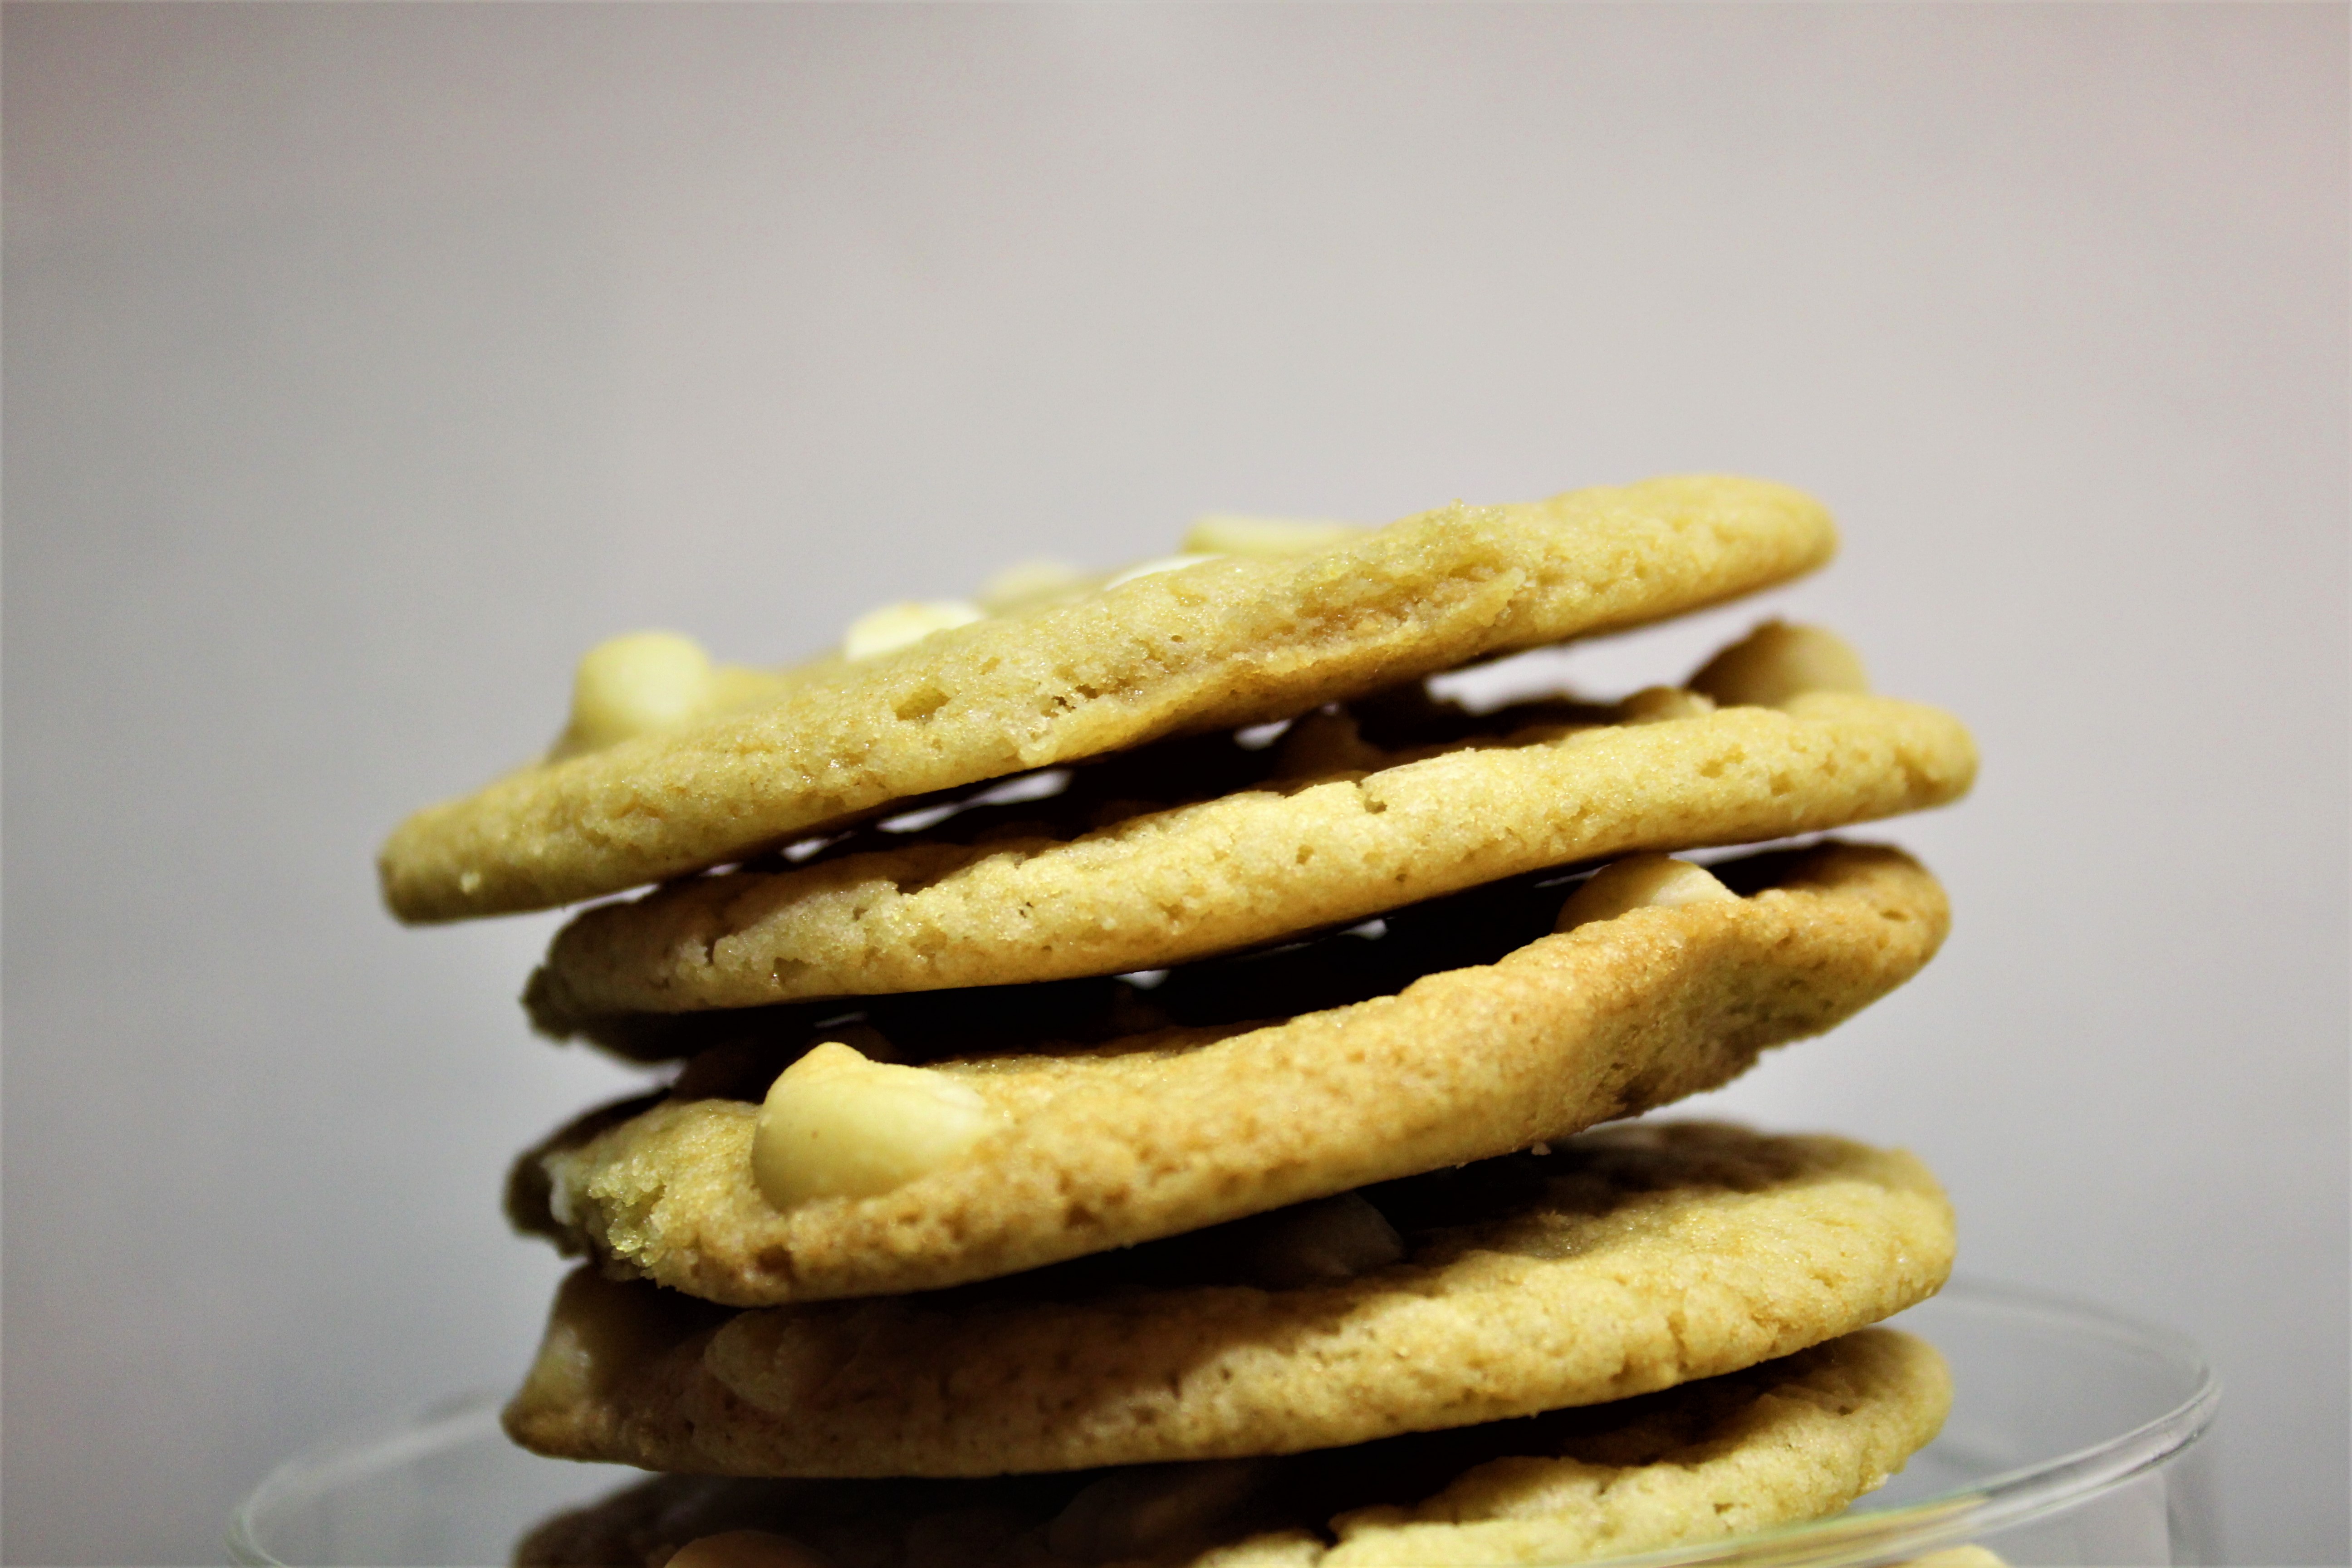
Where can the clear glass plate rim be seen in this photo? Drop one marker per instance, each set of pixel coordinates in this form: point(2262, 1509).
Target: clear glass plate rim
point(2001, 1502)
point(2007, 1499)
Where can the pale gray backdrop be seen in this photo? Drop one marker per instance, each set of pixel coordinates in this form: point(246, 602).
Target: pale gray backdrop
point(363, 365)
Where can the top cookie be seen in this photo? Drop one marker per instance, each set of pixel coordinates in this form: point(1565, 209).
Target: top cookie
point(1225, 643)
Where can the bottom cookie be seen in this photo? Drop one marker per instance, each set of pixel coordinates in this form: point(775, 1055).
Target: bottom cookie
point(1783, 1441)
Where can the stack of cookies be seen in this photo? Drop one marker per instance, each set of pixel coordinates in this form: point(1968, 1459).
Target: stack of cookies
point(1135, 1047)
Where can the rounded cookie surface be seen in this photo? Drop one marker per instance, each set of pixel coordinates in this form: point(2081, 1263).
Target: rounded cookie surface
point(1779, 1443)
point(1620, 1263)
point(1162, 1132)
point(1258, 862)
point(1228, 642)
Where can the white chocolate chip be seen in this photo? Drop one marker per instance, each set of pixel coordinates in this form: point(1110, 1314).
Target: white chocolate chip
point(747, 1549)
point(602, 1329)
point(1153, 1511)
point(1654, 704)
point(1031, 583)
point(1317, 1243)
point(1152, 568)
point(894, 626)
point(733, 687)
point(837, 1125)
point(1777, 661)
point(629, 685)
point(1638, 882)
point(1264, 537)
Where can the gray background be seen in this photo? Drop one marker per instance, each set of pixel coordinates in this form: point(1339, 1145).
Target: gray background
point(364, 366)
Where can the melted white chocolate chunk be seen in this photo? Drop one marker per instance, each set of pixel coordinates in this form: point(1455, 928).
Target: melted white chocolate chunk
point(902, 624)
point(1777, 661)
point(1654, 704)
point(837, 1125)
point(628, 685)
point(634, 685)
point(599, 1330)
point(1155, 565)
point(1263, 538)
point(1639, 882)
point(1027, 583)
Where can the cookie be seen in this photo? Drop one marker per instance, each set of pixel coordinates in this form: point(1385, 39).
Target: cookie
point(1323, 828)
point(1220, 644)
point(1774, 1444)
point(1788, 1440)
point(1617, 1264)
point(1082, 1149)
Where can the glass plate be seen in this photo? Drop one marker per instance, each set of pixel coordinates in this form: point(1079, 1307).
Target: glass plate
point(2072, 1441)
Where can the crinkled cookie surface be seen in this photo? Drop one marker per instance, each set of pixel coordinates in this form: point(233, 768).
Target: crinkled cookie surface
point(1226, 643)
point(1788, 1440)
point(1149, 1135)
point(1323, 828)
point(1619, 1263)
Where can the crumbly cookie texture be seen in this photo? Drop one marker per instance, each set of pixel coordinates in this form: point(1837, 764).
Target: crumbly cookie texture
point(1786, 1441)
point(1795, 1441)
point(1622, 1262)
point(1226, 642)
point(1149, 1136)
point(1253, 863)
